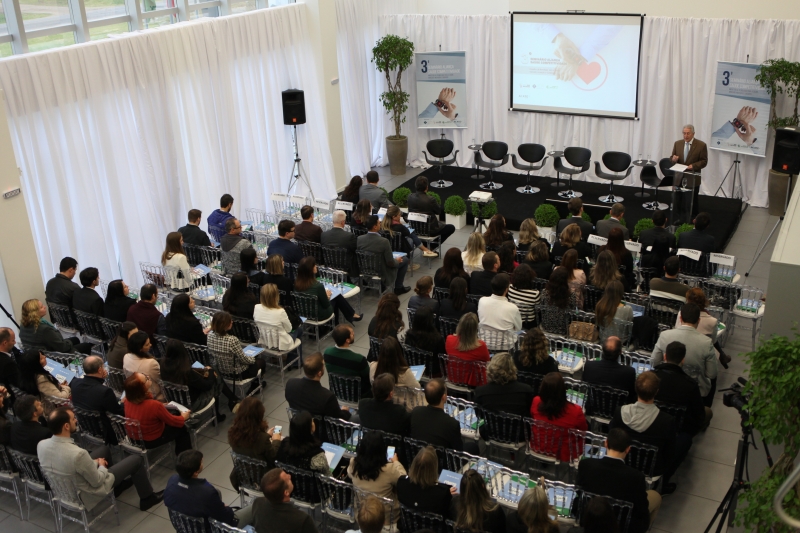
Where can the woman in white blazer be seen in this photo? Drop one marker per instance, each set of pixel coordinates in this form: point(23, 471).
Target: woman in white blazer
point(269, 313)
point(179, 275)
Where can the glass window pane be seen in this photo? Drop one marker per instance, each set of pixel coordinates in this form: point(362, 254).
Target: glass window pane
point(51, 41)
point(3, 26)
point(103, 9)
point(155, 22)
point(44, 14)
point(151, 5)
point(5, 50)
point(241, 7)
point(102, 32)
point(204, 12)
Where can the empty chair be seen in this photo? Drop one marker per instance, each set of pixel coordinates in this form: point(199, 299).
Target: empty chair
point(580, 159)
point(616, 162)
point(346, 388)
point(34, 482)
point(69, 505)
point(440, 149)
point(649, 177)
point(534, 155)
point(337, 502)
point(497, 152)
point(9, 479)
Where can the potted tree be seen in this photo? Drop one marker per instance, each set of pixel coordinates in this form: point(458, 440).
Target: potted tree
point(682, 228)
point(400, 198)
point(394, 54)
point(455, 211)
point(779, 76)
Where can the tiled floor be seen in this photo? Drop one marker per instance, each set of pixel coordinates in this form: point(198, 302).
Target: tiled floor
point(702, 480)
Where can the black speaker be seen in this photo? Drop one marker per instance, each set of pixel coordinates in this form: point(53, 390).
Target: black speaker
point(786, 155)
point(294, 107)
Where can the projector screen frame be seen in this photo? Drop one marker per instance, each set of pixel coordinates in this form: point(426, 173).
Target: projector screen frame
point(511, 62)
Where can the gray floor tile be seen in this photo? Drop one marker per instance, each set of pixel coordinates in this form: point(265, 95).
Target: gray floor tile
point(217, 471)
point(716, 445)
point(12, 523)
point(130, 518)
point(684, 513)
point(154, 523)
point(707, 479)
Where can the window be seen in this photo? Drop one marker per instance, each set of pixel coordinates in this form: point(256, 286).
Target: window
point(104, 9)
point(51, 41)
point(241, 7)
point(39, 15)
point(102, 32)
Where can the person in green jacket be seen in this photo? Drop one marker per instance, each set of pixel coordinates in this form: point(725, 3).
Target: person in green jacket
point(306, 282)
point(340, 359)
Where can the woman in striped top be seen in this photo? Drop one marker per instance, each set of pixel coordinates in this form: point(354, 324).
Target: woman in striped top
point(523, 295)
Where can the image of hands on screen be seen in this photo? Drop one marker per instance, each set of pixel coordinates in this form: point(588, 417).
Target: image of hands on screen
point(444, 104)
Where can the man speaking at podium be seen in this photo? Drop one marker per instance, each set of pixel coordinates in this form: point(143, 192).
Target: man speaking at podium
point(694, 154)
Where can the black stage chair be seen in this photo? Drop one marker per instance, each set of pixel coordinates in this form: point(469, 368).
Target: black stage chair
point(530, 153)
point(439, 149)
point(497, 152)
point(650, 177)
point(580, 159)
point(615, 162)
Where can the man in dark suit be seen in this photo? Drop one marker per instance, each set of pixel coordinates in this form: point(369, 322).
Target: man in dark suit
point(192, 234)
point(370, 191)
point(697, 238)
point(59, 290)
point(392, 270)
point(338, 237)
point(644, 422)
point(9, 371)
point(283, 245)
point(480, 281)
point(420, 202)
point(275, 512)
point(694, 154)
point(86, 298)
point(609, 371)
point(91, 393)
point(575, 207)
point(431, 424)
point(380, 412)
point(307, 230)
point(669, 286)
point(604, 227)
point(611, 477)
point(649, 236)
point(28, 432)
point(308, 394)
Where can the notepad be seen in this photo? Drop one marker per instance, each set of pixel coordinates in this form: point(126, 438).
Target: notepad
point(567, 358)
point(178, 406)
point(201, 270)
point(641, 367)
point(63, 374)
point(417, 370)
point(197, 364)
point(252, 351)
point(333, 454)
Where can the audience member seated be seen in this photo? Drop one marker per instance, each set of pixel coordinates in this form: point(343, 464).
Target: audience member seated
point(388, 320)
point(605, 271)
point(145, 314)
point(570, 239)
point(610, 308)
point(529, 235)
point(190, 495)
point(456, 304)
point(301, 448)
point(270, 313)
point(9, 371)
point(472, 256)
point(239, 300)
point(559, 299)
point(36, 380)
point(392, 361)
point(86, 298)
point(350, 193)
point(175, 256)
point(5, 423)
point(551, 406)
point(182, 324)
point(496, 311)
point(424, 335)
point(340, 359)
point(430, 424)
point(159, 426)
point(249, 265)
point(139, 359)
point(119, 345)
point(283, 245)
point(616, 245)
point(503, 393)
point(616, 213)
point(360, 215)
point(610, 371)
point(37, 332)
point(576, 278)
point(371, 516)
point(370, 470)
point(496, 233)
point(59, 290)
point(532, 514)
point(420, 490)
point(307, 230)
point(701, 359)
point(669, 286)
point(392, 269)
point(393, 222)
point(474, 509)
point(481, 280)
point(649, 237)
point(227, 351)
point(507, 253)
point(534, 354)
point(598, 517)
point(93, 475)
point(233, 242)
point(370, 191)
point(191, 232)
point(420, 202)
point(575, 208)
point(538, 259)
point(644, 422)
point(380, 412)
point(422, 298)
point(452, 268)
point(307, 283)
point(251, 436)
point(275, 275)
point(697, 238)
point(466, 345)
point(522, 294)
point(275, 512)
point(308, 394)
point(218, 217)
point(708, 324)
point(91, 393)
point(338, 237)
point(30, 429)
point(611, 477)
point(657, 254)
point(117, 301)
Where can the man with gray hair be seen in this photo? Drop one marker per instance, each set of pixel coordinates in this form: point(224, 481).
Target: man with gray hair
point(337, 237)
point(694, 154)
point(90, 393)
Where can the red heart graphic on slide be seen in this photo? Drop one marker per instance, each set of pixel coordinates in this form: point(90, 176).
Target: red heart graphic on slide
point(589, 71)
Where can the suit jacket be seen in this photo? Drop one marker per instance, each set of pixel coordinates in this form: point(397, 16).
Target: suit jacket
point(384, 416)
point(586, 227)
point(60, 455)
point(612, 477)
point(697, 240)
point(480, 282)
point(339, 238)
point(513, 398)
point(197, 497)
point(700, 362)
point(679, 389)
point(649, 236)
point(660, 434)
point(291, 252)
point(194, 235)
point(434, 426)
point(420, 202)
point(26, 436)
point(59, 290)
point(387, 264)
point(9, 371)
point(281, 518)
point(613, 374)
point(698, 156)
point(87, 300)
point(307, 231)
point(309, 395)
point(91, 393)
point(374, 194)
point(604, 227)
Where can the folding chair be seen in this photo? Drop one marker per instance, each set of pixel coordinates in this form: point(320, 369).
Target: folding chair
point(504, 437)
point(116, 380)
point(129, 436)
point(346, 388)
point(338, 258)
point(591, 295)
point(9, 479)
point(205, 415)
point(91, 328)
point(338, 498)
point(643, 457)
point(585, 444)
point(374, 348)
point(153, 273)
point(468, 415)
point(30, 473)
point(412, 521)
point(69, 506)
point(249, 472)
point(222, 527)
point(110, 328)
point(312, 249)
point(529, 378)
point(306, 306)
point(340, 277)
point(63, 319)
point(678, 412)
point(93, 431)
point(664, 311)
point(424, 227)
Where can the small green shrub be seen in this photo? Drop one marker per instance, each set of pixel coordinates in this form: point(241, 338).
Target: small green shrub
point(488, 211)
point(455, 206)
point(682, 228)
point(546, 216)
point(585, 216)
point(642, 225)
point(400, 196)
point(621, 220)
point(436, 197)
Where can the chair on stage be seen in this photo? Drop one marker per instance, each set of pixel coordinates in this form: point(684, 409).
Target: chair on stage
point(439, 150)
point(580, 159)
point(649, 177)
point(534, 155)
point(497, 152)
point(616, 162)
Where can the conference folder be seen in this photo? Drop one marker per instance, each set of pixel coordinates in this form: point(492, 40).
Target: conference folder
point(417, 370)
point(333, 454)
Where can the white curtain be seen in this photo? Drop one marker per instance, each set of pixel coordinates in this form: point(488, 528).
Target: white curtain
point(118, 139)
point(676, 87)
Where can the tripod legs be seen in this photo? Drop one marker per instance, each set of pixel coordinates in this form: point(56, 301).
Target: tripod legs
point(726, 506)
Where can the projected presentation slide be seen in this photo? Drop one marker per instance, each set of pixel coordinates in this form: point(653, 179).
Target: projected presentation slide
point(583, 63)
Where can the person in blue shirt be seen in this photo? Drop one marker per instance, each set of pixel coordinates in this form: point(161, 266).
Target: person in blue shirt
point(216, 220)
point(283, 246)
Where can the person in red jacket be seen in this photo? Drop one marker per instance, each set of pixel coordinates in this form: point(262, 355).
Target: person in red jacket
point(466, 345)
point(159, 426)
point(551, 406)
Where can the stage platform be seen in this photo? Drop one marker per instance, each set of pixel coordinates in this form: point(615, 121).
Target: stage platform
point(515, 207)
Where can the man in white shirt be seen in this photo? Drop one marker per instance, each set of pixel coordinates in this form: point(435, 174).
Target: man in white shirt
point(496, 311)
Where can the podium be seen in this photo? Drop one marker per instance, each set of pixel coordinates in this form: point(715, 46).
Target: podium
point(682, 197)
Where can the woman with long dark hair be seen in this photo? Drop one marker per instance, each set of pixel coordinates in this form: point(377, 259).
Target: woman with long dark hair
point(474, 509)
point(370, 470)
point(35, 380)
point(611, 307)
point(117, 301)
point(392, 361)
point(350, 193)
point(239, 300)
point(306, 282)
point(551, 406)
point(249, 259)
point(181, 322)
point(423, 333)
point(522, 294)
point(534, 354)
point(250, 435)
point(422, 297)
point(507, 252)
point(139, 359)
point(302, 448)
point(457, 305)
point(559, 299)
point(576, 278)
point(175, 256)
point(119, 344)
point(604, 270)
point(496, 233)
point(452, 268)
point(538, 259)
point(361, 213)
point(616, 245)
point(388, 320)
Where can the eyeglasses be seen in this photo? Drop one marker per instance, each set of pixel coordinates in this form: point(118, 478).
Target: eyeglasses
point(146, 377)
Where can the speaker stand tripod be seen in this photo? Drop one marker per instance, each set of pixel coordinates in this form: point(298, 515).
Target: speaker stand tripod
point(298, 173)
point(769, 237)
point(736, 172)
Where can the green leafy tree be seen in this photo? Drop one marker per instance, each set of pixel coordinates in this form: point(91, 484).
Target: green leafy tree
point(780, 76)
point(394, 54)
point(642, 225)
point(489, 210)
point(682, 228)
